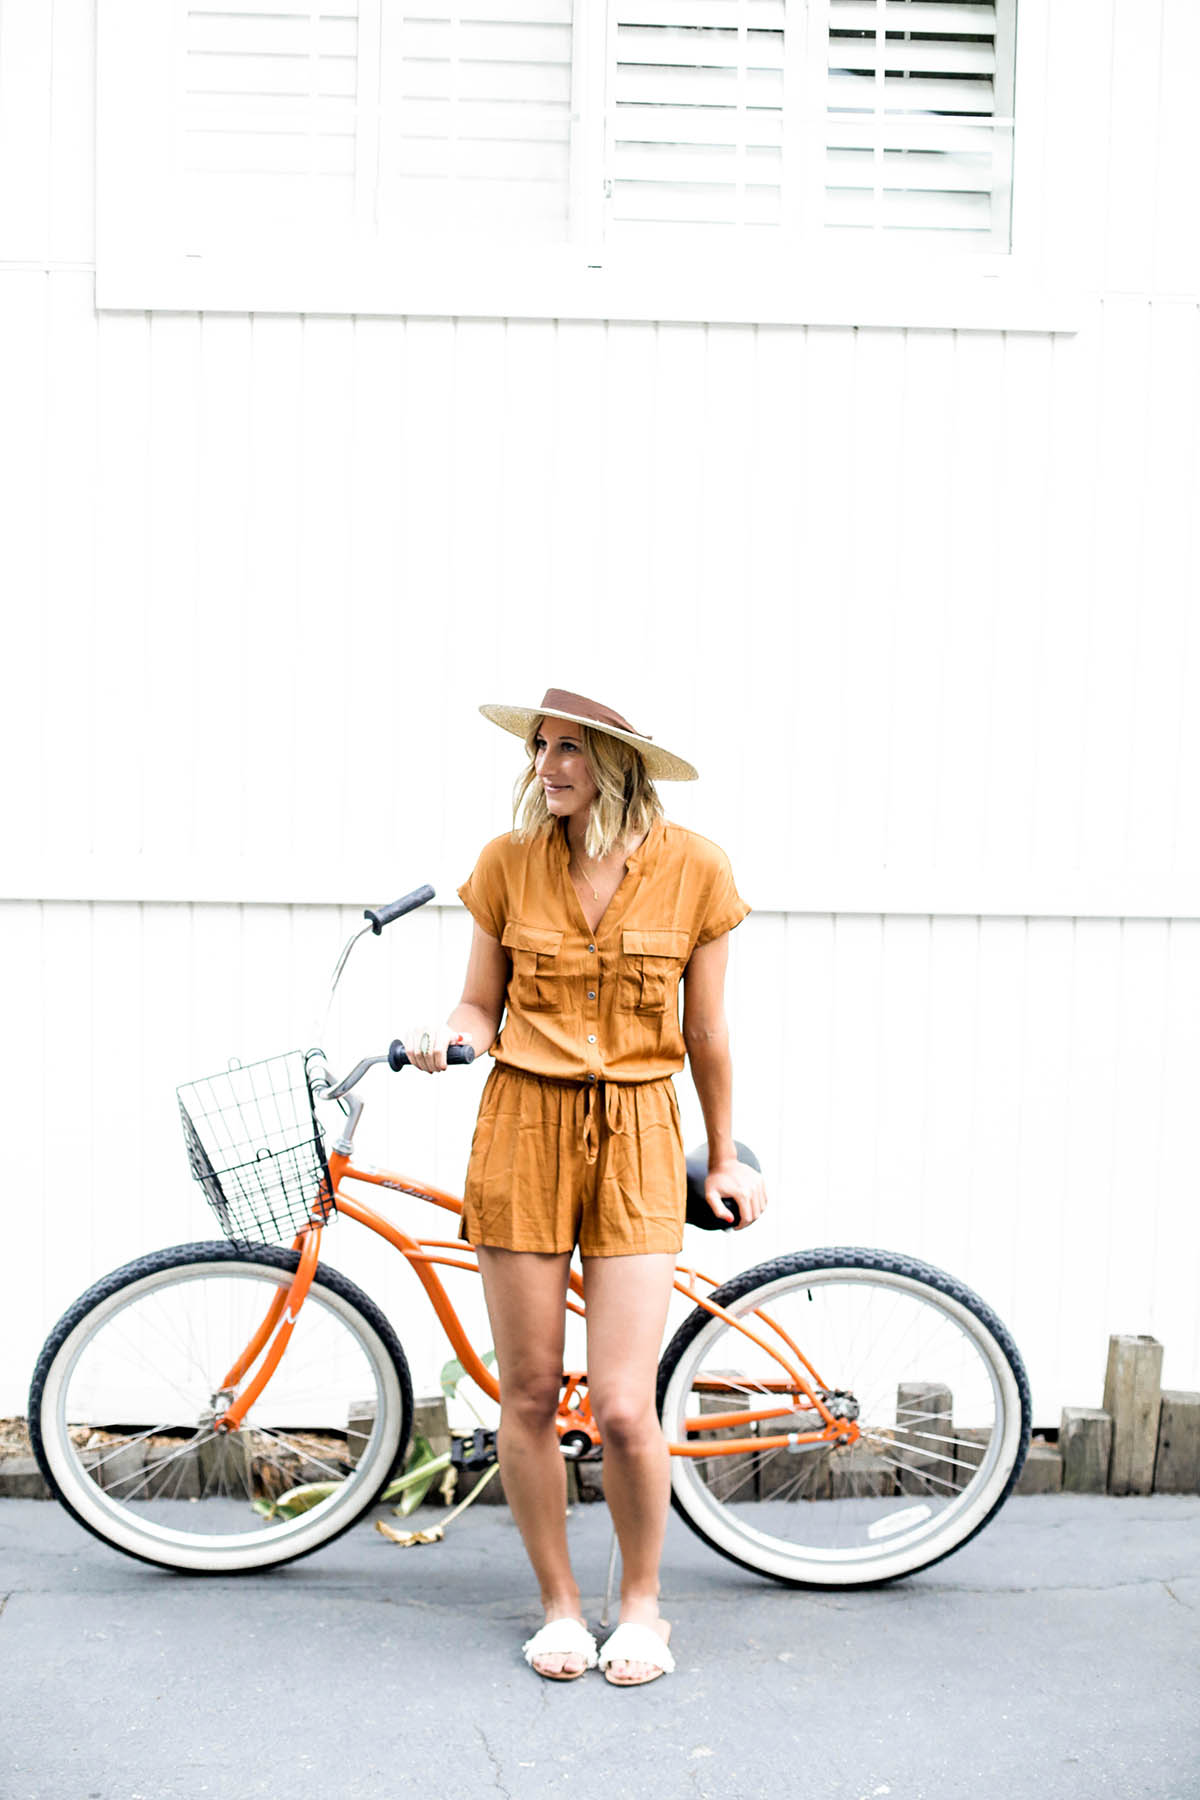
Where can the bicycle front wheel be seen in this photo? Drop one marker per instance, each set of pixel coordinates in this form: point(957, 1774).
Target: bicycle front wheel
point(129, 1384)
point(928, 1380)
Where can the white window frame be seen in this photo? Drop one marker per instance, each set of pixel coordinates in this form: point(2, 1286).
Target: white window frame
point(143, 263)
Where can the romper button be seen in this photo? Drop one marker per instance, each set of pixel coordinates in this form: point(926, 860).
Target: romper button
point(591, 947)
point(591, 1078)
point(591, 994)
point(592, 1039)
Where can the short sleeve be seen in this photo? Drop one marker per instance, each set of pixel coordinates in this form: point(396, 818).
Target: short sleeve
point(723, 907)
point(483, 893)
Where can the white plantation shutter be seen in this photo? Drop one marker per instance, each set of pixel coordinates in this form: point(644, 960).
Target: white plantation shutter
point(436, 118)
point(857, 116)
point(270, 125)
point(918, 134)
point(395, 155)
point(475, 118)
point(700, 95)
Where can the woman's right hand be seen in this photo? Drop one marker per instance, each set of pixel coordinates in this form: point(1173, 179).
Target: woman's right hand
point(432, 1059)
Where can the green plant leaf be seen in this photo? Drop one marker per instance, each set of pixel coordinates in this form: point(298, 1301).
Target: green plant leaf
point(421, 1463)
point(301, 1499)
point(423, 1473)
point(453, 1373)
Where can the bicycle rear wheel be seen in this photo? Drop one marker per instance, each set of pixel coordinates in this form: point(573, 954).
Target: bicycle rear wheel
point(123, 1400)
point(919, 1363)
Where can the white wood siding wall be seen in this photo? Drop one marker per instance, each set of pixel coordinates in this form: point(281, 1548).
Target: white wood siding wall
point(921, 604)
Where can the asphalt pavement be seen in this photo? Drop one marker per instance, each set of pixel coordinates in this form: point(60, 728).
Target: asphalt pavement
point(1057, 1655)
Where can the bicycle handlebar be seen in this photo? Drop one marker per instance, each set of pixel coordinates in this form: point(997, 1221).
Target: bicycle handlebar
point(455, 1053)
point(395, 909)
point(396, 1058)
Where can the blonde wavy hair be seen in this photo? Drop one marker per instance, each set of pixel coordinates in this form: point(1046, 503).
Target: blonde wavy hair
point(625, 806)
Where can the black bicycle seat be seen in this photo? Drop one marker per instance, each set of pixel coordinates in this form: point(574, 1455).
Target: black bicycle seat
point(699, 1212)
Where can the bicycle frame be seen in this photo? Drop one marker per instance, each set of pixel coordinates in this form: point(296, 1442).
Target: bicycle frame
point(799, 1387)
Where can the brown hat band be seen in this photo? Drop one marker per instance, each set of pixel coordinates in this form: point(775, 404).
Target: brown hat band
point(558, 700)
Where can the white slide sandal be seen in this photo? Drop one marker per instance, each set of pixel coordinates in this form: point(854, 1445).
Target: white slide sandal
point(562, 1637)
point(637, 1643)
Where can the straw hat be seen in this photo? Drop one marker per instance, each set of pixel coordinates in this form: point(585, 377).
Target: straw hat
point(661, 765)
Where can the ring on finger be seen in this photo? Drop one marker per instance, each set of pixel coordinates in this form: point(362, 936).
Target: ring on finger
point(423, 1046)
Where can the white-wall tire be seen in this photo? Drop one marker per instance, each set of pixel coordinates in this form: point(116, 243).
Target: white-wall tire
point(876, 1537)
point(171, 1532)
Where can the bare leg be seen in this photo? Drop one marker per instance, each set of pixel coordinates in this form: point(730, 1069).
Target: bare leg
point(627, 1300)
point(526, 1302)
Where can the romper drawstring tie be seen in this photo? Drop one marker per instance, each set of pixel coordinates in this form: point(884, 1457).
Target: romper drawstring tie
point(613, 1116)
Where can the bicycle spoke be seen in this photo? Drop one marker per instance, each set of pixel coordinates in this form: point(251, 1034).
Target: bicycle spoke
point(332, 1471)
point(125, 1443)
point(149, 1474)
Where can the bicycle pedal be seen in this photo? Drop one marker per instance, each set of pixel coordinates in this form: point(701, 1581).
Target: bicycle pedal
point(475, 1451)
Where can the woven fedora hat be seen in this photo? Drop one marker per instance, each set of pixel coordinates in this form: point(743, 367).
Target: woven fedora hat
point(661, 765)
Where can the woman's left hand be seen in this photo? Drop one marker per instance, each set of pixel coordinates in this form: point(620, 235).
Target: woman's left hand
point(741, 1183)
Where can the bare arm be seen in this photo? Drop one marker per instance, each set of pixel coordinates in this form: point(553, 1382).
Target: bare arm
point(477, 1014)
point(476, 1018)
point(706, 1034)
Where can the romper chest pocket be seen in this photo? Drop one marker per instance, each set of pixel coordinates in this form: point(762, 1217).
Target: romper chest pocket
point(537, 983)
point(651, 964)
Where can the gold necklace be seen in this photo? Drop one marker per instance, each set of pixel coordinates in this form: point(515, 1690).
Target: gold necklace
point(594, 891)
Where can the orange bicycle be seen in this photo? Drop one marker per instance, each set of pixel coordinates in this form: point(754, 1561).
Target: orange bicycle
point(836, 1417)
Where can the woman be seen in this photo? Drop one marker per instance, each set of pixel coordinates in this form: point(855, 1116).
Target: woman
point(586, 917)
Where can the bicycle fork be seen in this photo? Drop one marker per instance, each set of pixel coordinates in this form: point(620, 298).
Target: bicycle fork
point(275, 1330)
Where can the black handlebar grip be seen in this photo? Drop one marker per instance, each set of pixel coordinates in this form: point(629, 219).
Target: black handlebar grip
point(383, 915)
point(455, 1053)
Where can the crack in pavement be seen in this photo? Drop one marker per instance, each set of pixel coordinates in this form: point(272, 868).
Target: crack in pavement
point(1071, 1520)
point(507, 1611)
point(1054, 1587)
point(897, 1595)
point(495, 1762)
point(695, 1777)
point(830, 1598)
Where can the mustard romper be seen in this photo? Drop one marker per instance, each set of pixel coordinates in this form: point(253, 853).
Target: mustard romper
point(578, 1139)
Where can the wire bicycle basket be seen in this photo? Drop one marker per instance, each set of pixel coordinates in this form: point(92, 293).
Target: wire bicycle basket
point(256, 1147)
